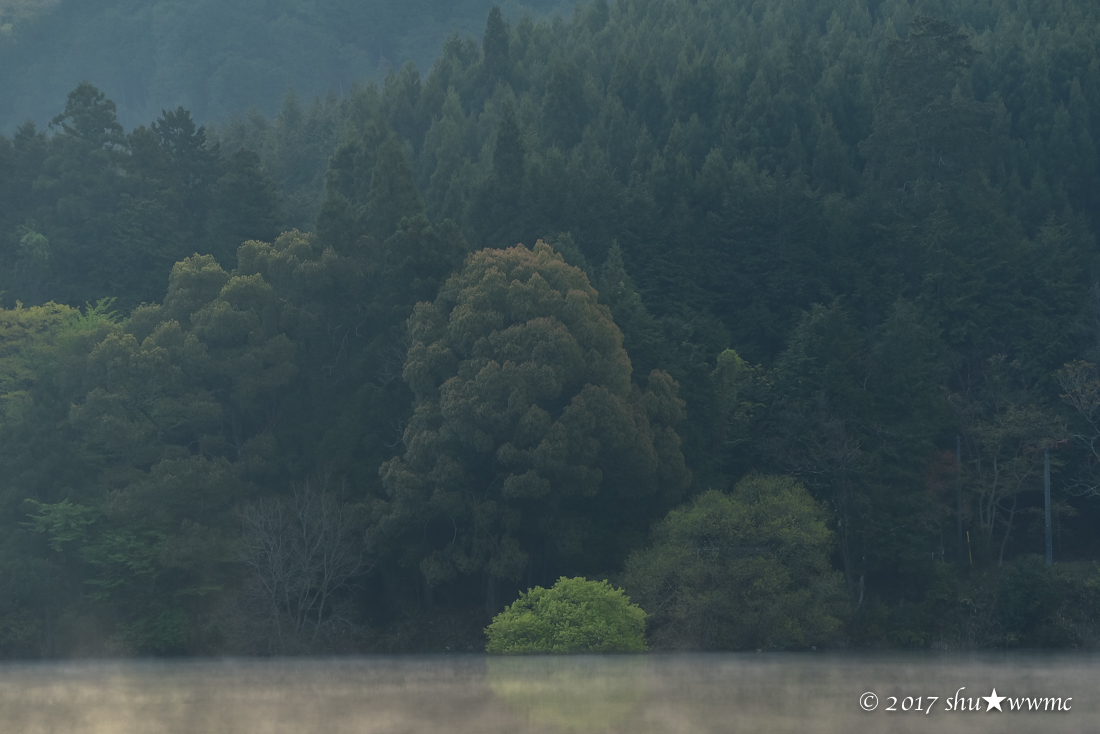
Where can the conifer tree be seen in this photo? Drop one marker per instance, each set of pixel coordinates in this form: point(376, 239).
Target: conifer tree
point(495, 57)
point(246, 206)
point(90, 116)
point(393, 192)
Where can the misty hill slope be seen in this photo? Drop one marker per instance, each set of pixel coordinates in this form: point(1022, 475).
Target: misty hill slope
point(216, 58)
point(851, 242)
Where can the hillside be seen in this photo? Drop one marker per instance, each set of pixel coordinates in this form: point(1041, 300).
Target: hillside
point(807, 295)
point(216, 58)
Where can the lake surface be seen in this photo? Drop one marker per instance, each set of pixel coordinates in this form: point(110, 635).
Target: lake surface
point(694, 694)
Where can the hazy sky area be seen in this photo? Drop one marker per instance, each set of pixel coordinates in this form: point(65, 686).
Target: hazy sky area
point(218, 58)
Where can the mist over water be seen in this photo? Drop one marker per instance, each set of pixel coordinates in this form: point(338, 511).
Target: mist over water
point(655, 693)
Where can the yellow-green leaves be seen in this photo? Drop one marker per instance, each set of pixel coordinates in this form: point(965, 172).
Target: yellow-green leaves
point(193, 283)
point(24, 334)
point(64, 523)
point(574, 616)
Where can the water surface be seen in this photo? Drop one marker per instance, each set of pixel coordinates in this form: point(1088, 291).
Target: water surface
point(637, 694)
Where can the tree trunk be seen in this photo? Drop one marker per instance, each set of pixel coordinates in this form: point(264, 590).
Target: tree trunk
point(1008, 529)
point(490, 594)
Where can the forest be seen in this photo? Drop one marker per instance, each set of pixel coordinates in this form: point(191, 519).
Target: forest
point(771, 313)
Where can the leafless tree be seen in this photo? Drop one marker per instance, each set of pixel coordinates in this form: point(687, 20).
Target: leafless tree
point(1081, 383)
point(392, 358)
point(303, 550)
point(1004, 432)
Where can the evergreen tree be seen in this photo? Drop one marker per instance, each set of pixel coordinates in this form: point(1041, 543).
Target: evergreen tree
point(90, 116)
point(194, 165)
point(393, 193)
point(565, 106)
point(925, 130)
point(523, 389)
point(495, 58)
point(245, 208)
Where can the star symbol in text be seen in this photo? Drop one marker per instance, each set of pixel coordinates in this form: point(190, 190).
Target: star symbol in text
point(993, 701)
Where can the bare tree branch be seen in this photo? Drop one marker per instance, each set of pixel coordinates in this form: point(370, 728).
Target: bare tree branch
point(303, 550)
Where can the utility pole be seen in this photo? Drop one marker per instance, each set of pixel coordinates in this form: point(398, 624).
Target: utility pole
point(959, 493)
point(1046, 499)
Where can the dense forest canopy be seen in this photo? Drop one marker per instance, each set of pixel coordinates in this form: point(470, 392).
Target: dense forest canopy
point(807, 293)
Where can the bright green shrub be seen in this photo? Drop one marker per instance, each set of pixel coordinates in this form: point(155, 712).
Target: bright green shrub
point(575, 615)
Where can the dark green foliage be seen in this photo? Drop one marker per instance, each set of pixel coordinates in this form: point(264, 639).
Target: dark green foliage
point(642, 337)
point(191, 165)
point(573, 616)
point(90, 116)
point(522, 389)
point(101, 214)
point(854, 414)
point(747, 570)
point(923, 133)
point(1025, 604)
point(246, 207)
point(564, 107)
point(839, 239)
point(508, 156)
point(393, 195)
point(495, 59)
